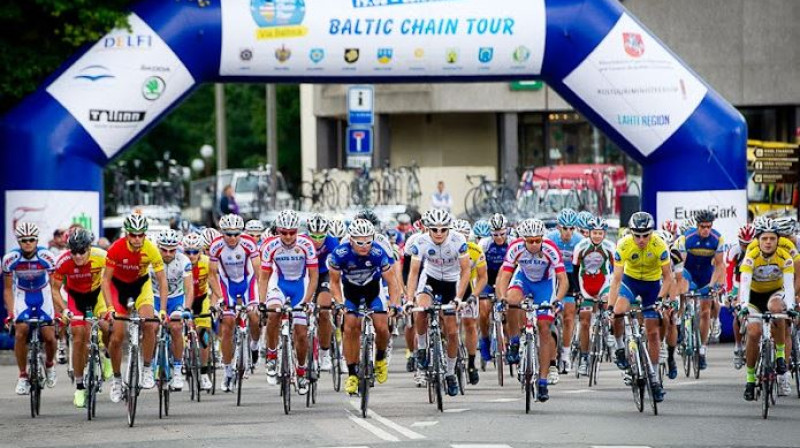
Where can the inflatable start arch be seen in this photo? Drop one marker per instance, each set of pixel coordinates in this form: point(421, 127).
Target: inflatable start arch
point(690, 141)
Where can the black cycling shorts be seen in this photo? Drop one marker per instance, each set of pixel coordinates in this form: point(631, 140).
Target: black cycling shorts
point(446, 290)
point(759, 300)
point(323, 283)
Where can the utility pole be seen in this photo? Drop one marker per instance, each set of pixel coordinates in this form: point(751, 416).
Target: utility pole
point(272, 141)
point(222, 143)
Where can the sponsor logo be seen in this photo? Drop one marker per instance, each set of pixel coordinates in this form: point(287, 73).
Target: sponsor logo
point(278, 19)
point(634, 44)
point(521, 54)
point(376, 3)
point(246, 54)
point(485, 54)
point(116, 116)
point(385, 55)
point(451, 55)
point(154, 68)
point(128, 41)
point(351, 55)
point(94, 73)
point(283, 54)
point(419, 53)
point(681, 212)
point(153, 88)
point(316, 55)
point(644, 121)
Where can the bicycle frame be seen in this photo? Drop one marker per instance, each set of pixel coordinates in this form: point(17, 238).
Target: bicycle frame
point(767, 377)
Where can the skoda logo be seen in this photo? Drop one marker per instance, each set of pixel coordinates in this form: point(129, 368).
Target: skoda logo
point(153, 88)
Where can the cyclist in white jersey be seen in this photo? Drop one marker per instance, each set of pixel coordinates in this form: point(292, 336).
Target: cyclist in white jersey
point(410, 332)
point(291, 257)
point(233, 264)
point(180, 286)
point(445, 275)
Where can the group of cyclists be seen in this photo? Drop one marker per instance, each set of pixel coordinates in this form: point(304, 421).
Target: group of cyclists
point(398, 272)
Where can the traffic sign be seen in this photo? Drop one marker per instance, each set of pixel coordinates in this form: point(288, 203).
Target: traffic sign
point(361, 106)
point(359, 147)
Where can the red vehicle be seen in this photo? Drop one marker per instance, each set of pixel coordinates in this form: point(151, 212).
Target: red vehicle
point(597, 186)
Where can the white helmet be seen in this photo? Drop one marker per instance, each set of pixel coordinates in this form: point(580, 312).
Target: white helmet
point(462, 226)
point(192, 241)
point(209, 235)
point(361, 227)
point(168, 238)
point(231, 222)
point(665, 235)
point(27, 230)
point(531, 227)
point(438, 218)
point(317, 224)
point(498, 221)
point(135, 223)
point(403, 218)
point(254, 226)
point(336, 228)
point(287, 219)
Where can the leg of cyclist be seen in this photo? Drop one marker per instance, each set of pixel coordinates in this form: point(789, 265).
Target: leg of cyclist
point(753, 348)
point(451, 333)
point(250, 298)
point(485, 312)
point(174, 308)
point(423, 300)
point(275, 300)
point(705, 328)
point(621, 307)
point(380, 320)
point(471, 340)
point(568, 330)
point(585, 316)
point(226, 329)
point(515, 316)
point(776, 305)
point(80, 337)
point(411, 342)
point(324, 326)
point(548, 374)
point(21, 353)
point(351, 346)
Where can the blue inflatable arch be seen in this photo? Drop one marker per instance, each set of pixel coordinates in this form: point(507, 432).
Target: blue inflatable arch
point(689, 140)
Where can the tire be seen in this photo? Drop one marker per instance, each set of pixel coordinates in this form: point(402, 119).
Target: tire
point(161, 378)
point(240, 368)
point(637, 383)
point(595, 349)
point(133, 386)
point(461, 368)
point(330, 195)
point(336, 363)
point(498, 359)
point(528, 375)
point(286, 376)
point(436, 361)
point(196, 366)
point(212, 362)
point(648, 383)
point(505, 199)
point(696, 351)
point(33, 377)
point(310, 366)
point(469, 204)
point(373, 193)
point(90, 383)
point(766, 373)
point(365, 374)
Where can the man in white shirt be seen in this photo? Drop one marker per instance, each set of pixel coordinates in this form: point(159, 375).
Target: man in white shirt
point(441, 199)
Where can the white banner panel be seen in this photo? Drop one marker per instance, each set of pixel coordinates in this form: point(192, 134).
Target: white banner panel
point(51, 210)
point(382, 38)
point(123, 83)
point(730, 206)
point(637, 86)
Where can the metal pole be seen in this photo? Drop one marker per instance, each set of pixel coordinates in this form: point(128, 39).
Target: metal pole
point(222, 144)
point(272, 141)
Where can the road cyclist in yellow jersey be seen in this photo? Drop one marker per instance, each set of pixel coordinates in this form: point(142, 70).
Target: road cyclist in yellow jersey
point(201, 304)
point(766, 284)
point(478, 278)
point(641, 271)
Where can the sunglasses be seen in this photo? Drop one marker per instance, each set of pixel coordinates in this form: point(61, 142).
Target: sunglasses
point(362, 243)
point(533, 240)
point(192, 252)
point(498, 234)
point(136, 235)
point(704, 226)
point(232, 234)
point(287, 232)
point(79, 251)
point(169, 251)
point(438, 229)
point(641, 236)
point(317, 237)
point(28, 240)
point(571, 228)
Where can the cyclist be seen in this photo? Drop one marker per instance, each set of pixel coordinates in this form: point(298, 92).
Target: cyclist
point(292, 257)
point(478, 277)
point(734, 258)
point(28, 295)
point(126, 277)
point(582, 224)
point(566, 238)
point(410, 332)
point(593, 260)
point(704, 268)
point(324, 244)
point(481, 230)
point(355, 271)
point(494, 248)
point(767, 283)
point(641, 269)
point(446, 276)
point(670, 312)
point(180, 287)
point(201, 302)
point(531, 265)
point(403, 226)
point(337, 229)
point(232, 273)
point(254, 228)
point(209, 235)
point(79, 270)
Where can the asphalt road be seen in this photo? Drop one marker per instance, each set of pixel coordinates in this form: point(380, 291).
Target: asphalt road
point(697, 413)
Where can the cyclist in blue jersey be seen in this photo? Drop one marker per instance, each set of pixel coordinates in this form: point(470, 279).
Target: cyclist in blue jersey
point(324, 244)
point(566, 238)
point(704, 267)
point(494, 248)
point(356, 269)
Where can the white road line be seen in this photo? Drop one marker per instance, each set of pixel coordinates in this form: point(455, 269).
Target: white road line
point(386, 422)
point(503, 400)
point(684, 383)
point(479, 446)
point(455, 411)
point(360, 446)
point(619, 446)
point(424, 424)
point(576, 391)
point(378, 432)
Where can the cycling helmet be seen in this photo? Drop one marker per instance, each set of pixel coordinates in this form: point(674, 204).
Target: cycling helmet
point(785, 226)
point(704, 216)
point(513, 233)
point(27, 230)
point(481, 228)
point(254, 226)
point(597, 223)
point(403, 218)
point(439, 218)
point(210, 234)
point(361, 227)
point(318, 224)
point(567, 218)
point(231, 222)
point(687, 224)
point(287, 219)
point(498, 221)
point(583, 220)
point(336, 228)
point(462, 226)
point(192, 241)
point(135, 223)
point(531, 227)
point(746, 233)
point(670, 226)
point(641, 222)
point(80, 240)
point(420, 224)
point(168, 238)
point(369, 215)
point(185, 226)
point(666, 236)
point(763, 225)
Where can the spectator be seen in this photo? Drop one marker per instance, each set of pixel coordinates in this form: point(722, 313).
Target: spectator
point(440, 198)
point(103, 243)
point(227, 203)
point(58, 244)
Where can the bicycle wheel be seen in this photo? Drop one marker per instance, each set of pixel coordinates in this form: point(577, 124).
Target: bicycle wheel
point(469, 204)
point(637, 383)
point(336, 363)
point(242, 351)
point(161, 379)
point(696, 351)
point(498, 359)
point(365, 374)
point(286, 375)
point(461, 367)
point(132, 394)
point(212, 362)
point(796, 361)
point(594, 354)
point(196, 367)
point(413, 191)
point(437, 369)
point(504, 199)
point(648, 380)
point(528, 375)
point(330, 195)
point(33, 377)
point(310, 371)
point(91, 393)
point(766, 377)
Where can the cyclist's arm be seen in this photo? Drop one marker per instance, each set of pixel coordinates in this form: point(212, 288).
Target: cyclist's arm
point(563, 285)
point(481, 279)
point(55, 286)
point(163, 294)
point(718, 277)
point(744, 288)
point(313, 277)
point(616, 281)
point(788, 290)
point(8, 293)
point(263, 283)
point(105, 285)
point(335, 278)
point(501, 285)
point(392, 286)
point(213, 280)
point(413, 278)
point(463, 282)
point(666, 280)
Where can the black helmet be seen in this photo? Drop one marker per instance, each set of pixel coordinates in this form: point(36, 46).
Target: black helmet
point(704, 216)
point(369, 215)
point(80, 240)
point(641, 222)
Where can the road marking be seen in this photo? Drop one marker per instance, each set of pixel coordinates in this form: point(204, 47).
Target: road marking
point(360, 446)
point(684, 383)
point(455, 411)
point(480, 446)
point(424, 424)
point(619, 446)
point(576, 391)
point(378, 432)
point(503, 400)
point(386, 422)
